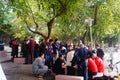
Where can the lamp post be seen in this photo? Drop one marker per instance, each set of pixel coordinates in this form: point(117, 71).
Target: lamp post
point(89, 22)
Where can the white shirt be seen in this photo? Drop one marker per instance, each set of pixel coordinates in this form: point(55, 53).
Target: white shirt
point(70, 57)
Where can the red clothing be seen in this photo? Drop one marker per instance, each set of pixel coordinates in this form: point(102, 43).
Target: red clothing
point(100, 64)
point(32, 44)
point(91, 65)
point(15, 44)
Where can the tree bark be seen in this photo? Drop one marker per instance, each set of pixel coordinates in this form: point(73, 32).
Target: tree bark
point(84, 38)
point(96, 39)
point(36, 32)
point(49, 25)
point(95, 15)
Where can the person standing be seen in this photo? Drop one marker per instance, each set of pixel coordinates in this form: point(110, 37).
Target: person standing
point(50, 50)
point(69, 68)
point(14, 45)
point(100, 52)
point(90, 51)
point(79, 61)
point(31, 49)
point(36, 50)
point(56, 46)
point(25, 49)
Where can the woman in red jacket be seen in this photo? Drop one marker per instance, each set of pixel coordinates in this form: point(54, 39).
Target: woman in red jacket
point(99, 63)
point(92, 68)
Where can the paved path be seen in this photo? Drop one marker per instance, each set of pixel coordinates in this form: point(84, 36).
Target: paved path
point(14, 71)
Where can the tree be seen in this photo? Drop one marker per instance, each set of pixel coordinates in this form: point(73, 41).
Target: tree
point(37, 14)
point(66, 18)
point(107, 21)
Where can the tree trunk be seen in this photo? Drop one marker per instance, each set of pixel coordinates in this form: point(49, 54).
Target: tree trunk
point(49, 25)
point(95, 15)
point(96, 39)
point(84, 38)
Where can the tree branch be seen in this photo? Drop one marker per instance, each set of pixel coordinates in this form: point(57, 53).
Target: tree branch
point(95, 15)
point(62, 11)
point(38, 3)
point(32, 16)
point(60, 2)
point(53, 6)
point(49, 25)
point(36, 32)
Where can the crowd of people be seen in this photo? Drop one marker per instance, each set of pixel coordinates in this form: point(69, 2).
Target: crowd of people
point(27, 49)
point(60, 58)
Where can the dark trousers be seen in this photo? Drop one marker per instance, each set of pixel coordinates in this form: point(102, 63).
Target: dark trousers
point(30, 56)
point(70, 70)
point(83, 70)
point(90, 74)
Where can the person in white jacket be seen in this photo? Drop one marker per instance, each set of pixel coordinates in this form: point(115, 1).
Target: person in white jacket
point(69, 68)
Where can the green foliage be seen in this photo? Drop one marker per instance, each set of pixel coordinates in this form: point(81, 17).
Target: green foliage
point(69, 18)
point(108, 24)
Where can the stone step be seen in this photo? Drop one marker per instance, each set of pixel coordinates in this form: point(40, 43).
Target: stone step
point(3, 53)
point(68, 77)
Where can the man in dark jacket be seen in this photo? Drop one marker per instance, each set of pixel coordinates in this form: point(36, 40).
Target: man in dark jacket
point(80, 61)
point(59, 66)
point(100, 52)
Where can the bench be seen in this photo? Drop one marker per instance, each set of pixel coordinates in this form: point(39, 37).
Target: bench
point(3, 53)
point(68, 77)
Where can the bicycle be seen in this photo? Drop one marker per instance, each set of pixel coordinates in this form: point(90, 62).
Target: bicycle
point(115, 68)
